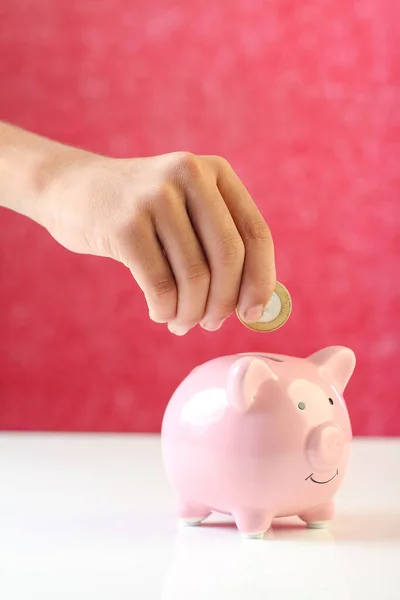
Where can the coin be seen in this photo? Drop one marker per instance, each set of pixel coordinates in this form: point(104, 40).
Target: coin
point(275, 314)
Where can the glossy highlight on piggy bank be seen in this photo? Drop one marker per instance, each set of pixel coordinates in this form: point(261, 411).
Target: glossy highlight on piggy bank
point(260, 436)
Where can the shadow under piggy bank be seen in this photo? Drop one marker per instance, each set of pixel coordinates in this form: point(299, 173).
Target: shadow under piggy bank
point(291, 562)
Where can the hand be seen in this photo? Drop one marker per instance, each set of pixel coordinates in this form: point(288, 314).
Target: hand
point(184, 225)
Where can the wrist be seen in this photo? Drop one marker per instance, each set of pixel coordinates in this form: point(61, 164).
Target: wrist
point(29, 166)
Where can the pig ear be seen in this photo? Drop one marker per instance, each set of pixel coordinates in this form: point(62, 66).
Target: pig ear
point(336, 364)
point(245, 377)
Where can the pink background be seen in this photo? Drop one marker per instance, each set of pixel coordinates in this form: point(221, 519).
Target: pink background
point(301, 96)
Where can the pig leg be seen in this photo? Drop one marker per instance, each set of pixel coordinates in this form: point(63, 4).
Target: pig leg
point(318, 516)
point(191, 513)
point(253, 524)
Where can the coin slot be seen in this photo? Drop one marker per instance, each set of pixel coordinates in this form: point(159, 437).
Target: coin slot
point(274, 358)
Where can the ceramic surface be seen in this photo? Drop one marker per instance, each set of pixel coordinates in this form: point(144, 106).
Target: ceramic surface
point(260, 436)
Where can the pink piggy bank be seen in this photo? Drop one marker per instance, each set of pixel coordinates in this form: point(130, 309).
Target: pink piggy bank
point(259, 436)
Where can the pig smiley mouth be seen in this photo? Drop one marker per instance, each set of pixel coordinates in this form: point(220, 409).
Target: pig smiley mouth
point(322, 482)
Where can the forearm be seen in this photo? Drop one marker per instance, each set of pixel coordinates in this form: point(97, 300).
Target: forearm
point(28, 165)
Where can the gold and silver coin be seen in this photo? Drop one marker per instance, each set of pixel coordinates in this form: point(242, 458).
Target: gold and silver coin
point(275, 314)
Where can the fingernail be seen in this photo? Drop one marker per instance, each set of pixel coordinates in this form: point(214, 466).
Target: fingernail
point(177, 329)
point(253, 314)
point(212, 325)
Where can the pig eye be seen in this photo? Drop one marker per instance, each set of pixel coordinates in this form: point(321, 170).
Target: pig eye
point(330, 401)
point(301, 405)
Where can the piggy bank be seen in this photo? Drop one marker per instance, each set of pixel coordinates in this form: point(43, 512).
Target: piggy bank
point(259, 436)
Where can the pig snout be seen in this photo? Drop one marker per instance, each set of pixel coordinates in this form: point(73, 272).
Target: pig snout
point(325, 446)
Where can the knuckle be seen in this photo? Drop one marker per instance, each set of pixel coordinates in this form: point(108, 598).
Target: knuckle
point(166, 195)
point(163, 288)
point(128, 231)
point(221, 166)
point(123, 239)
point(189, 165)
point(222, 308)
point(197, 273)
point(231, 249)
point(257, 231)
point(221, 162)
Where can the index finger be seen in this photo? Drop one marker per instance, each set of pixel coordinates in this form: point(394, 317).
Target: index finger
point(259, 274)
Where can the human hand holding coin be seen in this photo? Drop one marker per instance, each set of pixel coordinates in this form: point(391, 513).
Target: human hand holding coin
point(184, 225)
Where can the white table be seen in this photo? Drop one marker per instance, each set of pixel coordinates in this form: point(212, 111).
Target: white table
point(92, 517)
